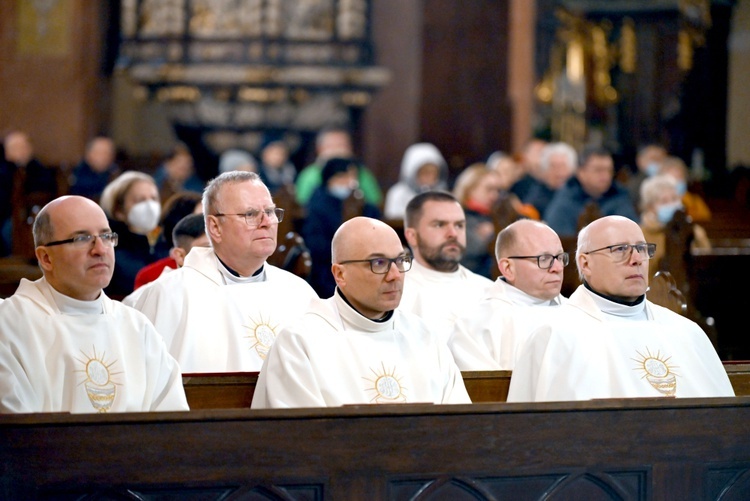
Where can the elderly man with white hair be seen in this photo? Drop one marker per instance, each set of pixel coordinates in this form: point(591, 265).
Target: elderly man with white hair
point(222, 310)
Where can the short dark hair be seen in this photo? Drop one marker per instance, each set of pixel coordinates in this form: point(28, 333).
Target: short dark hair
point(414, 207)
point(175, 208)
point(188, 229)
point(592, 151)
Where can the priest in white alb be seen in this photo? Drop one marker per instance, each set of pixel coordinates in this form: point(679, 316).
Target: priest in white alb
point(487, 335)
point(357, 347)
point(64, 345)
point(609, 340)
point(221, 311)
point(438, 288)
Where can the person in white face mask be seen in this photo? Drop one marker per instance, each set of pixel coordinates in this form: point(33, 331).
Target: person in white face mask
point(660, 200)
point(131, 203)
point(325, 213)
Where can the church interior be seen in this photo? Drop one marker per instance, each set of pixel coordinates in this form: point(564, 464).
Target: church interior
point(473, 78)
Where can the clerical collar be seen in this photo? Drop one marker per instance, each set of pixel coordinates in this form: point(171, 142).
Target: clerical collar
point(517, 296)
point(232, 277)
point(615, 299)
point(75, 307)
point(615, 309)
point(385, 318)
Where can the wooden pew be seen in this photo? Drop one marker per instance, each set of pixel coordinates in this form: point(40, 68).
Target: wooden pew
point(235, 390)
point(609, 449)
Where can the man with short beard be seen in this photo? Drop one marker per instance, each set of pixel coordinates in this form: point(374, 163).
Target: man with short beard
point(438, 287)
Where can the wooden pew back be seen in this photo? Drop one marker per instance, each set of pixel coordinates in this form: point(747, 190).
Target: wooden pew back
point(235, 390)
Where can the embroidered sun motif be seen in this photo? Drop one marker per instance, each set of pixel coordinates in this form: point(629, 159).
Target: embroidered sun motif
point(100, 388)
point(387, 386)
point(658, 372)
point(262, 335)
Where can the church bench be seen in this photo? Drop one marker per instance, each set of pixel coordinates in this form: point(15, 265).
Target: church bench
point(235, 390)
point(607, 449)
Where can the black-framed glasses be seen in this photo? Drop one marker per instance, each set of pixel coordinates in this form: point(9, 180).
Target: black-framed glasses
point(545, 261)
point(86, 239)
point(382, 265)
point(253, 217)
point(622, 252)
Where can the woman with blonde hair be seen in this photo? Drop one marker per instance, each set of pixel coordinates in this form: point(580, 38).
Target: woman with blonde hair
point(660, 200)
point(131, 203)
point(477, 189)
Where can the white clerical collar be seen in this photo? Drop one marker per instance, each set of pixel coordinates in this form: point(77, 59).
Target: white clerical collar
point(69, 306)
point(431, 274)
point(517, 296)
point(617, 311)
point(354, 320)
point(232, 279)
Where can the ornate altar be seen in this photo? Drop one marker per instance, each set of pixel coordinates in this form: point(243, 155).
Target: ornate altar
point(625, 72)
point(236, 69)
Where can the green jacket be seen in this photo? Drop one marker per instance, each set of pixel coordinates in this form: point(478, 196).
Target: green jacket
point(309, 179)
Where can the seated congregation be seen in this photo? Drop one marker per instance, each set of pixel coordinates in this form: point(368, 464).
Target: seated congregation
point(134, 293)
point(226, 310)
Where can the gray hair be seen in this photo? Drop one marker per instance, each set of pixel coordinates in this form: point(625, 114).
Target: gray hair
point(113, 196)
point(557, 149)
point(211, 193)
point(652, 187)
point(42, 229)
point(584, 242)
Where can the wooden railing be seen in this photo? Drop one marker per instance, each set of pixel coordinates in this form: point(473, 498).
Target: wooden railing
point(235, 390)
point(650, 449)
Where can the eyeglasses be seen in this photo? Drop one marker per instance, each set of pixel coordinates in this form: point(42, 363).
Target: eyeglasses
point(622, 252)
point(253, 218)
point(85, 240)
point(545, 261)
point(382, 265)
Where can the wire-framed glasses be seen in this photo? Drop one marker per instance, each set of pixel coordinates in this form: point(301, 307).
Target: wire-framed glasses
point(253, 217)
point(545, 261)
point(382, 265)
point(86, 240)
point(622, 252)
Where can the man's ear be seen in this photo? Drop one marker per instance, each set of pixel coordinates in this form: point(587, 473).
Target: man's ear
point(583, 262)
point(44, 258)
point(178, 254)
point(411, 237)
point(338, 275)
point(213, 229)
point(506, 268)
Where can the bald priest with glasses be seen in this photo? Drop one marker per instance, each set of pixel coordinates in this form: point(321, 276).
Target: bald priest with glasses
point(531, 260)
point(221, 311)
point(64, 345)
point(609, 340)
point(358, 347)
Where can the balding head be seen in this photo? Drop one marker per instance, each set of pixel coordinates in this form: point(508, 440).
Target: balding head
point(361, 239)
point(607, 261)
point(78, 269)
point(517, 249)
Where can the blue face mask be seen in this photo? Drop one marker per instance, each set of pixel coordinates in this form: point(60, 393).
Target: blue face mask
point(340, 192)
point(681, 188)
point(652, 169)
point(665, 213)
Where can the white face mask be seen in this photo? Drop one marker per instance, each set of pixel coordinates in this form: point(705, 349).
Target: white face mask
point(144, 216)
point(340, 192)
point(665, 213)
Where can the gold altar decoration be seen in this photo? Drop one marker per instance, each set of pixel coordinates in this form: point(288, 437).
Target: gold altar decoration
point(577, 86)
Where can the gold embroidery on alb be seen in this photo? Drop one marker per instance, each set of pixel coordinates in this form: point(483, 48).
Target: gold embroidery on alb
point(100, 388)
point(262, 335)
point(387, 386)
point(658, 372)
